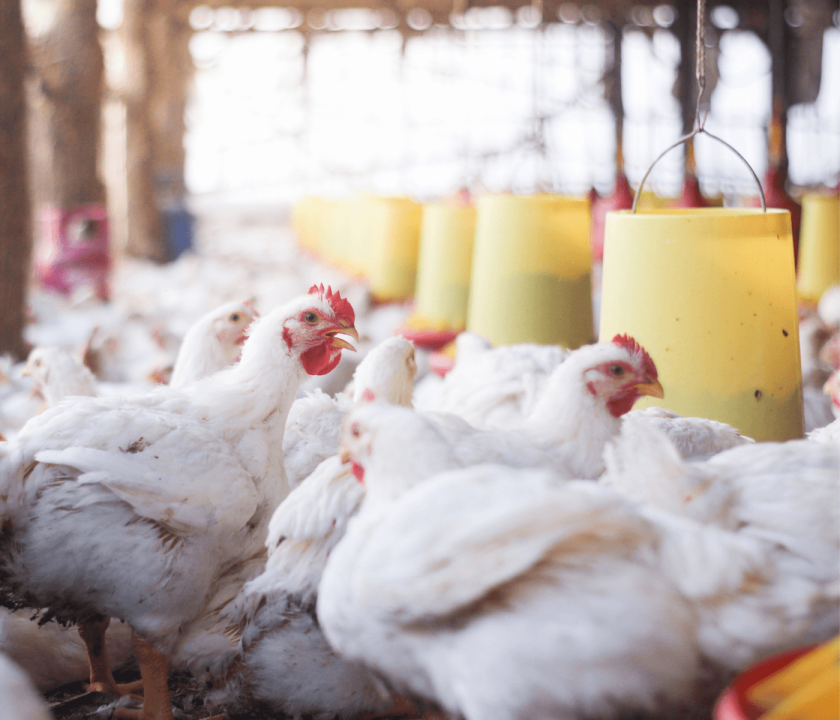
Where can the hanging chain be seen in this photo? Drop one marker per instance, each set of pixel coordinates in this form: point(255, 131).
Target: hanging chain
point(700, 58)
point(700, 74)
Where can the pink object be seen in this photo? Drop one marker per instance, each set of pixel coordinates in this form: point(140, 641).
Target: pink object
point(74, 250)
point(620, 199)
point(433, 340)
point(777, 197)
point(733, 704)
point(441, 364)
point(691, 196)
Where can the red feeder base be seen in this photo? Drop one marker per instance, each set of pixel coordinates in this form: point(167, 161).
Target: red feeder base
point(734, 705)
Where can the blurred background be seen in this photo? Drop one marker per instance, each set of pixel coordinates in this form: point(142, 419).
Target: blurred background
point(131, 125)
point(265, 102)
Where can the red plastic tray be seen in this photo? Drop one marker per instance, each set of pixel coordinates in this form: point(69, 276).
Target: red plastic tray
point(734, 705)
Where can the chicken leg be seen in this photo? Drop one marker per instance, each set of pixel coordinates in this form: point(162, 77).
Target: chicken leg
point(157, 704)
point(153, 675)
point(92, 634)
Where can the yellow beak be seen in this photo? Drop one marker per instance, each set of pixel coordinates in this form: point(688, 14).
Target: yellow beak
point(338, 342)
point(654, 389)
point(344, 456)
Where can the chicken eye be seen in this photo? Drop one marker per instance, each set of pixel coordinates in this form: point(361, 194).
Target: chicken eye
point(616, 370)
point(234, 317)
point(310, 317)
point(354, 431)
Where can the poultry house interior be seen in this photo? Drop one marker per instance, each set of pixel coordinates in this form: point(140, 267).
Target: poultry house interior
point(463, 360)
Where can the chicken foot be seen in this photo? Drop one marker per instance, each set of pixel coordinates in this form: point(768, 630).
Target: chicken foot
point(92, 634)
point(154, 672)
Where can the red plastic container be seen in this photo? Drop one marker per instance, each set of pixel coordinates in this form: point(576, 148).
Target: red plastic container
point(734, 705)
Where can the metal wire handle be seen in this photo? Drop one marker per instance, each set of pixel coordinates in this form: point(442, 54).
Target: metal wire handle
point(700, 74)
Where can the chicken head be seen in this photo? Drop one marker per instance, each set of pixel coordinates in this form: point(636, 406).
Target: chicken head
point(627, 374)
point(230, 330)
point(314, 329)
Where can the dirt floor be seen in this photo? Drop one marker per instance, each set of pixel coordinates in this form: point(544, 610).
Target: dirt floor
point(72, 702)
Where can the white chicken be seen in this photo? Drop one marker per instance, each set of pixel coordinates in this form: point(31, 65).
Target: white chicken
point(52, 654)
point(501, 388)
point(57, 374)
point(286, 661)
point(785, 493)
point(505, 594)
point(579, 411)
point(213, 342)
point(314, 426)
point(828, 307)
point(494, 387)
point(695, 438)
point(832, 389)
point(20, 699)
point(140, 508)
point(828, 434)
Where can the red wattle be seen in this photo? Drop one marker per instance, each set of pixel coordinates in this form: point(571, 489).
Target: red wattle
point(358, 472)
point(618, 406)
point(319, 360)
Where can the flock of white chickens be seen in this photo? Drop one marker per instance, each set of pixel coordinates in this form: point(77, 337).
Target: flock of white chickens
point(330, 538)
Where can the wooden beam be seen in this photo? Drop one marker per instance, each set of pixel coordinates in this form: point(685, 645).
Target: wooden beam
point(145, 238)
point(15, 211)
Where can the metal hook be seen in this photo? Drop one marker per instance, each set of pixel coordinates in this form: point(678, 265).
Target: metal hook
point(699, 131)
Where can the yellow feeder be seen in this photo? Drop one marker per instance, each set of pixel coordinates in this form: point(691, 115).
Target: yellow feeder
point(305, 220)
point(531, 271)
point(394, 243)
point(710, 294)
point(444, 267)
point(649, 200)
point(819, 245)
point(358, 237)
point(327, 211)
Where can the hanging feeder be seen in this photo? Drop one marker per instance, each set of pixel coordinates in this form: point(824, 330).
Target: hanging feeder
point(819, 246)
point(393, 247)
point(357, 249)
point(710, 293)
point(339, 220)
point(443, 275)
point(306, 223)
point(531, 271)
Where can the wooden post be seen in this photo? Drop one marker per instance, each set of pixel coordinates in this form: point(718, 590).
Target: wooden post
point(74, 243)
point(15, 212)
point(145, 238)
point(173, 76)
point(71, 70)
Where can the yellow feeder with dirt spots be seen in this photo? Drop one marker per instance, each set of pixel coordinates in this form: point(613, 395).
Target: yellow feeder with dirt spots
point(819, 245)
point(531, 271)
point(711, 295)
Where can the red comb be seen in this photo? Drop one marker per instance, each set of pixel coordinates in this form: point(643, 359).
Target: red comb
point(340, 305)
point(629, 344)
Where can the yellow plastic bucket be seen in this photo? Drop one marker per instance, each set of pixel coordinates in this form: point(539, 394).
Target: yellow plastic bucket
point(531, 271)
point(306, 223)
point(710, 293)
point(341, 232)
point(394, 244)
point(819, 245)
point(327, 212)
point(444, 266)
point(358, 237)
